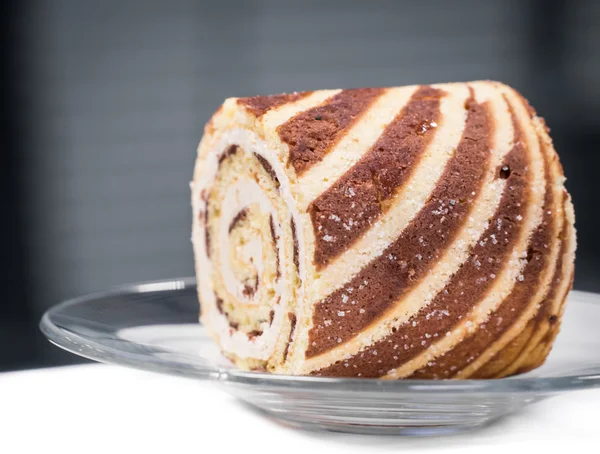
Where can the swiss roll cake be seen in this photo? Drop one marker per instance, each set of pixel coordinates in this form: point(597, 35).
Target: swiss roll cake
point(409, 232)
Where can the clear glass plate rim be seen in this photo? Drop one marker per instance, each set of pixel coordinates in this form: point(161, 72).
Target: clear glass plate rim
point(90, 349)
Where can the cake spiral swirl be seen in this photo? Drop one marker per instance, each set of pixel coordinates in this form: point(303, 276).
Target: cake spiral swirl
point(407, 232)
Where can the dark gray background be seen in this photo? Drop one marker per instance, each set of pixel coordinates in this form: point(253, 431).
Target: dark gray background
point(103, 105)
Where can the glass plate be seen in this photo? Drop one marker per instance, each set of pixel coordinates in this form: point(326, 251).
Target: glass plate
point(153, 326)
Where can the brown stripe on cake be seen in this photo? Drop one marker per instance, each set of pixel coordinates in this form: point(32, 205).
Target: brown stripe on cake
point(296, 252)
point(204, 217)
point(233, 149)
point(260, 105)
point(238, 218)
point(254, 333)
point(464, 290)
point(292, 318)
point(545, 314)
point(206, 233)
point(275, 246)
point(268, 168)
point(311, 134)
point(342, 214)
point(510, 309)
point(407, 260)
point(250, 290)
point(219, 304)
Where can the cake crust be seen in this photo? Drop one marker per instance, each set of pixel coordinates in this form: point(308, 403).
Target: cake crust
point(402, 232)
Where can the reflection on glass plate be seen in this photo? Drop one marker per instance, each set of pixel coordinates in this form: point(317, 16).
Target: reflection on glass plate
point(154, 327)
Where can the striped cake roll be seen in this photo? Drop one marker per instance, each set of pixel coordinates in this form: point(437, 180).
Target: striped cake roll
point(411, 232)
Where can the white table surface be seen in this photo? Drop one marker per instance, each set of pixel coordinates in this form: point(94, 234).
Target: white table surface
point(108, 409)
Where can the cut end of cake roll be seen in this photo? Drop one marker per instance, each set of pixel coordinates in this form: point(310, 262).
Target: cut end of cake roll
point(406, 232)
